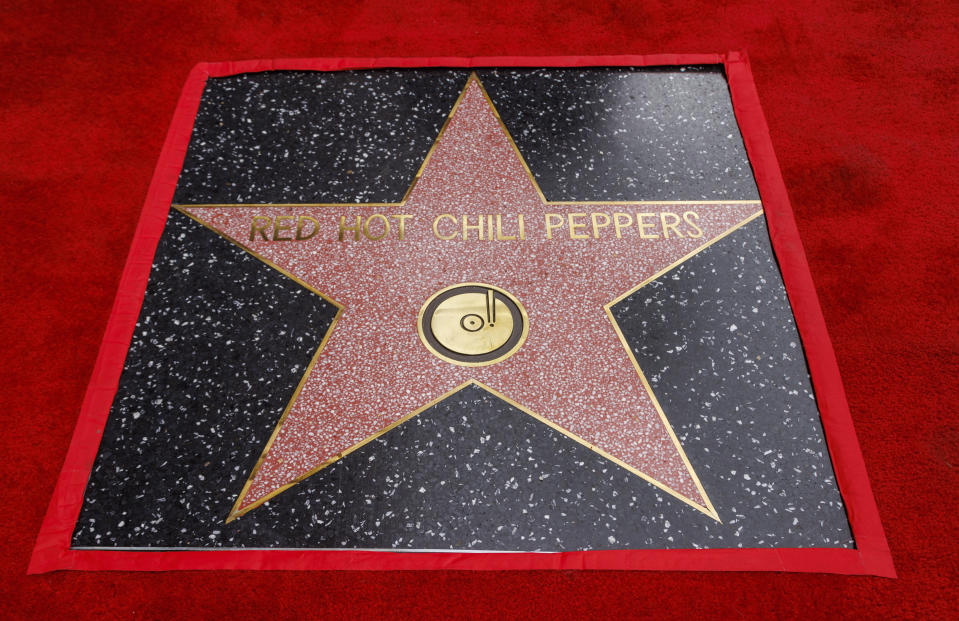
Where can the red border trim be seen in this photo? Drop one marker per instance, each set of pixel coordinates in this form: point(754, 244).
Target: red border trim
point(872, 556)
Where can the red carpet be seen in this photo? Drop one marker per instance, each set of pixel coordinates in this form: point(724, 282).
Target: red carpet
point(861, 103)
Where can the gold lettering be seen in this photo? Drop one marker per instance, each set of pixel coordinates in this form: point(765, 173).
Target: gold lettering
point(277, 228)
point(499, 230)
point(573, 225)
point(402, 218)
point(386, 227)
point(644, 225)
point(258, 225)
point(671, 226)
point(299, 228)
point(436, 226)
point(522, 227)
point(621, 221)
point(474, 227)
point(550, 226)
point(689, 216)
point(489, 227)
point(596, 225)
point(355, 228)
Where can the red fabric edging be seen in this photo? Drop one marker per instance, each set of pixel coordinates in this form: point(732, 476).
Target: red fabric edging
point(872, 556)
point(833, 407)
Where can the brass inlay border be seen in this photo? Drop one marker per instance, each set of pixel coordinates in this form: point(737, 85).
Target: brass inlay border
point(708, 509)
point(237, 512)
point(642, 376)
point(234, 513)
point(687, 257)
point(291, 276)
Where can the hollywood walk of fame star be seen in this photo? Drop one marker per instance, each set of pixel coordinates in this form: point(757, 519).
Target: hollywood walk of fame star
point(574, 371)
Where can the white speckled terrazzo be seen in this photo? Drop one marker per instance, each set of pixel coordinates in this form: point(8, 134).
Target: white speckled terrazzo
point(223, 338)
point(572, 370)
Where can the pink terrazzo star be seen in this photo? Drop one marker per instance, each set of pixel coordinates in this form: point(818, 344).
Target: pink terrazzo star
point(573, 371)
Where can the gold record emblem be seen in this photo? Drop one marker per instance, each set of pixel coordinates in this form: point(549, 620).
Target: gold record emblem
point(473, 324)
